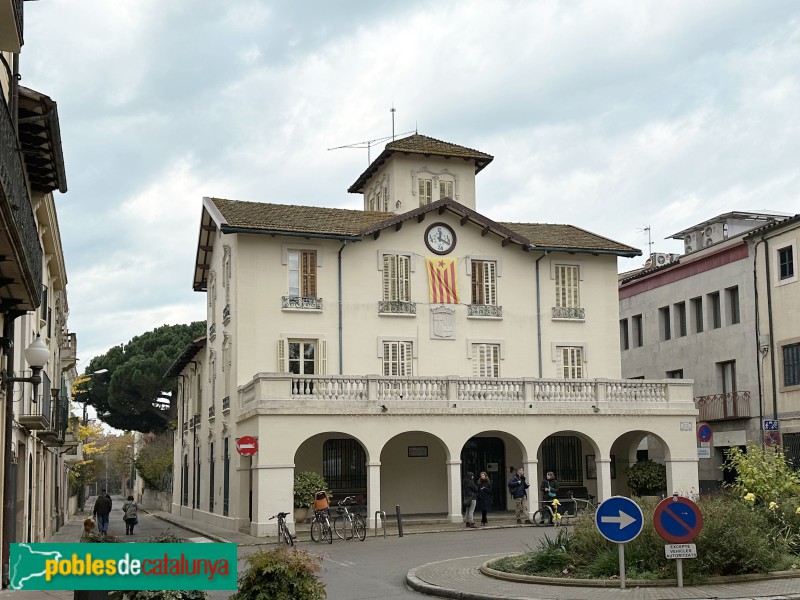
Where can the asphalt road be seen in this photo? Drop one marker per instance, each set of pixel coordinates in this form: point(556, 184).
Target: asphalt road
point(376, 568)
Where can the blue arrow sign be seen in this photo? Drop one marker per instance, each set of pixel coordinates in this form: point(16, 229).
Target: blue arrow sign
point(619, 519)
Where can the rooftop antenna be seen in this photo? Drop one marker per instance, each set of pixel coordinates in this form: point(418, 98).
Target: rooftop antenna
point(649, 240)
point(368, 143)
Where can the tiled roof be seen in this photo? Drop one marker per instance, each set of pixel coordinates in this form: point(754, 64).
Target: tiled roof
point(298, 219)
point(567, 236)
point(354, 223)
point(421, 144)
point(776, 225)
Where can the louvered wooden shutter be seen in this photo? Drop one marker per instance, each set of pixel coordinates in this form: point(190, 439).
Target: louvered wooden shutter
point(404, 359)
point(489, 283)
point(323, 357)
point(309, 274)
point(403, 285)
point(389, 277)
point(283, 366)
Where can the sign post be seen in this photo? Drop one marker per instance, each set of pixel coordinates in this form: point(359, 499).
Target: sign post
point(619, 519)
point(678, 520)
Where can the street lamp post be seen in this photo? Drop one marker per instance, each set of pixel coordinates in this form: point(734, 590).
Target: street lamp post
point(36, 355)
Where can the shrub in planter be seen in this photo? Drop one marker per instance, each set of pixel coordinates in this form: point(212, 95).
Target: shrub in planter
point(281, 574)
point(647, 478)
point(306, 484)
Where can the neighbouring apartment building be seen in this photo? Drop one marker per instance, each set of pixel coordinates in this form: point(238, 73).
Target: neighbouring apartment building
point(394, 348)
point(702, 316)
point(37, 441)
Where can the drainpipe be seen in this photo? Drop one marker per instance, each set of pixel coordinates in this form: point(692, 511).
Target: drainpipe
point(760, 354)
point(539, 313)
point(9, 503)
point(344, 243)
point(14, 96)
point(771, 332)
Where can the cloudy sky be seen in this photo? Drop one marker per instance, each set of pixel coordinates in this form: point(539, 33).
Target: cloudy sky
point(609, 115)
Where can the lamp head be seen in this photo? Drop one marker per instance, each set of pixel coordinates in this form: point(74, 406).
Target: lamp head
point(37, 354)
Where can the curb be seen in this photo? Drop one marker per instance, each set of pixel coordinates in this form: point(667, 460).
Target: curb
point(197, 530)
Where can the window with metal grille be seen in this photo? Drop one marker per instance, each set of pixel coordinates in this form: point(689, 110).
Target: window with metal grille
point(344, 465)
point(396, 277)
point(563, 456)
point(484, 282)
point(302, 273)
point(791, 365)
point(425, 191)
point(567, 287)
point(397, 358)
point(486, 360)
point(791, 448)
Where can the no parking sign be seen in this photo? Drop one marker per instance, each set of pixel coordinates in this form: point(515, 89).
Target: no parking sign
point(678, 520)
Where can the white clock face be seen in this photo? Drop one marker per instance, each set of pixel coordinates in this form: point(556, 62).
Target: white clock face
point(440, 238)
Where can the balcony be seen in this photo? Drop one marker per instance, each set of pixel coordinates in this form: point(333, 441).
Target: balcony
point(212, 331)
point(19, 238)
point(212, 411)
point(69, 349)
point(487, 311)
point(226, 314)
point(226, 403)
point(569, 313)
point(37, 416)
point(723, 407)
point(330, 395)
point(186, 427)
point(11, 25)
point(301, 303)
point(397, 307)
point(195, 421)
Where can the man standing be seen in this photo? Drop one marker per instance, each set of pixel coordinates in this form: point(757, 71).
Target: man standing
point(518, 486)
point(102, 508)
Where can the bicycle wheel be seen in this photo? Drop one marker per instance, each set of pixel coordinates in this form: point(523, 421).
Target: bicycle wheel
point(343, 526)
point(287, 537)
point(317, 530)
point(360, 527)
point(542, 517)
point(327, 531)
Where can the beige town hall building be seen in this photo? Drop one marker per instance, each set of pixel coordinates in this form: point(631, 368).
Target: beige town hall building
point(394, 348)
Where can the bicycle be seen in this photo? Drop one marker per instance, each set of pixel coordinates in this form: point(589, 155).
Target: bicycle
point(283, 531)
point(321, 529)
point(550, 513)
point(355, 520)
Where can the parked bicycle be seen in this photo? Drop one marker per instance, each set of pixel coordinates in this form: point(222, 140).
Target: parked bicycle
point(551, 514)
point(283, 531)
point(321, 526)
point(348, 524)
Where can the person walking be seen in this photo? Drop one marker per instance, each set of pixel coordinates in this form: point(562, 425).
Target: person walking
point(484, 496)
point(469, 494)
point(129, 510)
point(518, 488)
point(549, 489)
point(101, 510)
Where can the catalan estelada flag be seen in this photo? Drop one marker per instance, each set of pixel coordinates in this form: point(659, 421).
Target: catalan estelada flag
point(442, 280)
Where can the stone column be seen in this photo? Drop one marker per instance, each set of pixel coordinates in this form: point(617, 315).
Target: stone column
point(454, 490)
point(682, 476)
point(532, 477)
point(273, 492)
point(373, 493)
point(603, 478)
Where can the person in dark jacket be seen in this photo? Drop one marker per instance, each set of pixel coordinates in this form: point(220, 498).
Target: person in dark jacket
point(549, 489)
point(469, 494)
point(518, 488)
point(101, 510)
point(484, 496)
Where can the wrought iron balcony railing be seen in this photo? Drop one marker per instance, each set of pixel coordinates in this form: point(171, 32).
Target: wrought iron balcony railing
point(301, 303)
point(568, 312)
point(226, 314)
point(485, 310)
point(720, 407)
point(212, 411)
point(226, 403)
point(397, 307)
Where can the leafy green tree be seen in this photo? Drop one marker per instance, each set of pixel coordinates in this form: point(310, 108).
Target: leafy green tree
point(154, 461)
point(763, 472)
point(134, 393)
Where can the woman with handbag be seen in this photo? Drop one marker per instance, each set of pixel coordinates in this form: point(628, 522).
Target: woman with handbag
point(129, 510)
point(469, 494)
point(484, 496)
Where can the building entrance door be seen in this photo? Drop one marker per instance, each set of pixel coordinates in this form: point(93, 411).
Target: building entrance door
point(487, 454)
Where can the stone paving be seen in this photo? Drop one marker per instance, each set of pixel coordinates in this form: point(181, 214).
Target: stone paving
point(461, 578)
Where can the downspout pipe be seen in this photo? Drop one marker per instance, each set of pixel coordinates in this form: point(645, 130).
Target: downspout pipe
point(341, 342)
point(539, 313)
point(771, 330)
point(759, 354)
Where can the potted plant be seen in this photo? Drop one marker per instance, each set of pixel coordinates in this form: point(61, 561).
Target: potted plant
point(306, 484)
point(647, 478)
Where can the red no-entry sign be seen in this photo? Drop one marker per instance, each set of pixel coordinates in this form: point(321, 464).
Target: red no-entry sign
point(247, 445)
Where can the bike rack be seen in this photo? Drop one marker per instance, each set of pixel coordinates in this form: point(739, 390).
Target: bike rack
point(382, 513)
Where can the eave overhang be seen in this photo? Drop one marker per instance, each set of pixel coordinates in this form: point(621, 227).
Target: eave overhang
point(186, 357)
point(40, 141)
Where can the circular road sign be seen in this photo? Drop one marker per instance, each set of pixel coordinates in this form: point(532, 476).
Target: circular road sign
point(772, 438)
point(247, 445)
point(704, 433)
point(678, 520)
point(619, 519)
